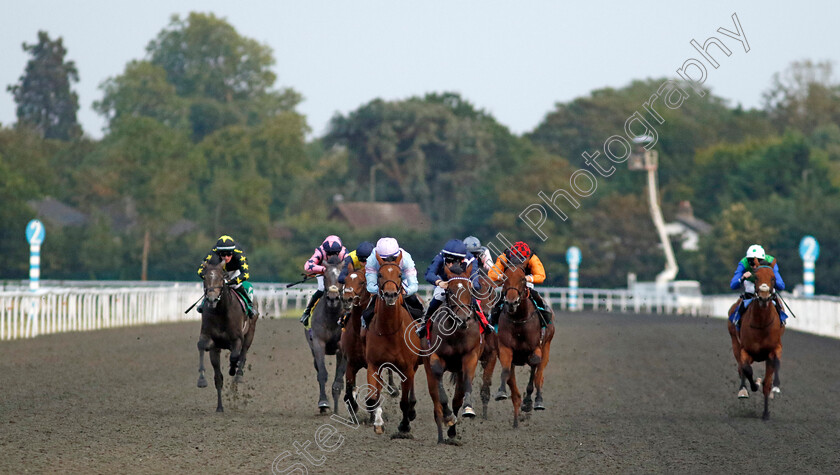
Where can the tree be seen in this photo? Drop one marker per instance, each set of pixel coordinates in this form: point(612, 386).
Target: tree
point(148, 164)
point(43, 96)
point(803, 96)
point(226, 77)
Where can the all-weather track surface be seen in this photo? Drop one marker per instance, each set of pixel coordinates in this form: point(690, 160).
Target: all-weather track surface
point(624, 393)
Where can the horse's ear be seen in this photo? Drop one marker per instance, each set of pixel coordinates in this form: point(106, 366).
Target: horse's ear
point(447, 272)
point(468, 271)
point(379, 259)
point(399, 258)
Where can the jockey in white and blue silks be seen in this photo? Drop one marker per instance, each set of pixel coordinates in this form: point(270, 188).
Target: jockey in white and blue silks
point(744, 276)
point(389, 250)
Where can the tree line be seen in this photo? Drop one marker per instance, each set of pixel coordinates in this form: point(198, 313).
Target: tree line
point(200, 142)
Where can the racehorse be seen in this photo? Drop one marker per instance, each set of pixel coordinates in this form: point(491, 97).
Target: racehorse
point(490, 348)
point(455, 336)
point(224, 326)
point(521, 340)
point(324, 335)
point(355, 298)
point(759, 338)
point(388, 338)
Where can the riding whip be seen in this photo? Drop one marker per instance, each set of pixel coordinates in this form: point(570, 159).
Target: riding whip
point(786, 305)
point(193, 305)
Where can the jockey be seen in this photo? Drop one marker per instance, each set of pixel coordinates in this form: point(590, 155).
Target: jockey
point(454, 257)
point(357, 259)
point(236, 271)
point(330, 247)
point(389, 250)
point(474, 247)
point(754, 258)
point(535, 274)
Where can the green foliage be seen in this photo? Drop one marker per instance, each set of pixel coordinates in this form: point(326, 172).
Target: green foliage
point(142, 91)
point(43, 96)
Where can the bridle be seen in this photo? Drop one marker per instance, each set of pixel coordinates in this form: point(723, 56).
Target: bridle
point(454, 304)
point(398, 284)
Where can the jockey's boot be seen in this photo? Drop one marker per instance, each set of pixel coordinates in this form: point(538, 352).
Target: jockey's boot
point(482, 319)
point(421, 327)
point(367, 315)
point(782, 315)
point(305, 317)
point(494, 316)
point(544, 311)
point(342, 320)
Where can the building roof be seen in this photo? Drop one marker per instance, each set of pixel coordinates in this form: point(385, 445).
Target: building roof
point(368, 214)
point(57, 213)
point(685, 215)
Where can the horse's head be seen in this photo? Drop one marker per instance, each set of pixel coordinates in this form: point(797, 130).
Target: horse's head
point(214, 281)
point(458, 295)
point(514, 288)
point(765, 283)
point(355, 289)
point(390, 279)
point(332, 288)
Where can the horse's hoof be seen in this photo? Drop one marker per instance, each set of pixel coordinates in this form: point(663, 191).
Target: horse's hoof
point(765, 416)
point(743, 394)
point(775, 392)
point(238, 379)
point(456, 441)
point(220, 409)
point(202, 383)
point(379, 430)
point(758, 381)
point(451, 420)
point(323, 403)
point(526, 407)
point(501, 396)
point(394, 393)
point(401, 435)
point(232, 370)
point(468, 412)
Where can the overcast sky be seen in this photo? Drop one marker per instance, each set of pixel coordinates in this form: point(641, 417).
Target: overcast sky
point(514, 59)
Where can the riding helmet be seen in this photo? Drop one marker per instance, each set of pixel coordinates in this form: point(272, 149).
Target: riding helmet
point(473, 244)
point(364, 250)
point(756, 251)
point(455, 248)
point(225, 243)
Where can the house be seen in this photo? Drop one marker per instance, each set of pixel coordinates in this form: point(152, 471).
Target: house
point(687, 227)
point(361, 215)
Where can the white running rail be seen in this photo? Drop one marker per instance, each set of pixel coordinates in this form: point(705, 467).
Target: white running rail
point(88, 306)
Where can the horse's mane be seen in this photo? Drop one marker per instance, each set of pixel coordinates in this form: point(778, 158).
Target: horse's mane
point(214, 260)
point(333, 260)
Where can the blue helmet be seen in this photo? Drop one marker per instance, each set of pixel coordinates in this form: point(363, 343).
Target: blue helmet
point(455, 248)
point(364, 250)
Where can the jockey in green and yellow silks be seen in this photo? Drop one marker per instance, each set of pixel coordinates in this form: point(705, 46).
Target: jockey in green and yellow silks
point(236, 269)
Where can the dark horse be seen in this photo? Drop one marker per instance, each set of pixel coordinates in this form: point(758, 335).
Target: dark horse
point(521, 340)
point(224, 326)
point(356, 298)
point(490, 346)
point(325, 334)
point(759, 339)
point(456, 339)
point(390, 343)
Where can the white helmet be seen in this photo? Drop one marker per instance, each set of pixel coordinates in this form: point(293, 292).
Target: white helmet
point(387, 247)
point(755, 251)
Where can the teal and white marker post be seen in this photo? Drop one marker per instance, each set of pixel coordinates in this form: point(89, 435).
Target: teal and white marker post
point(35, 236)
point(573, 259)
point(809, 251)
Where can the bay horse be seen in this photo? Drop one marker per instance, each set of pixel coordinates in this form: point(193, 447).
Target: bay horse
point(356, 298)
point(324, 335)
point(455, 335)
point(387, 346)
point(521, 340)
point(224, 326)
point(759, 338)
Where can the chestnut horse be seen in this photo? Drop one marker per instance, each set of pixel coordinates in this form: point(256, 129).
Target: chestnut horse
point(521, 340)
point(759, 338)
point(224, 326)
point(387, 343)
point(456, 340)
point(325, 334)
point(356, 298)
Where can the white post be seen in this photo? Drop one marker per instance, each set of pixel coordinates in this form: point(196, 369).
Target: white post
point(809, 251)
point(573, 259)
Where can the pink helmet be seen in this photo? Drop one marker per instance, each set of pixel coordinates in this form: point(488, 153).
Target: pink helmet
point(387, 247)
point(332, 244)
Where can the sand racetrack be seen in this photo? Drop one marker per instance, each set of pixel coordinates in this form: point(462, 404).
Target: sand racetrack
point(625, 393)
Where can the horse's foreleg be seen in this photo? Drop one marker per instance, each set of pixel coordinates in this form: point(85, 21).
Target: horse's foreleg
point(406, 407)
point(203, 343)
point(373, 402)
point(746, 369)
point(248, 338)
point(736, 351)
point(218, 378)
point(515, 397)
point(506, 360)
point(235, 354)
point(350, 385)
point(340, 368)
point(527, 403)
point(777, 361)
point(486, 381)
point(434, 393)
point(468, 365)
point(393, 390)
point(539, 377)
point(318, 356)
